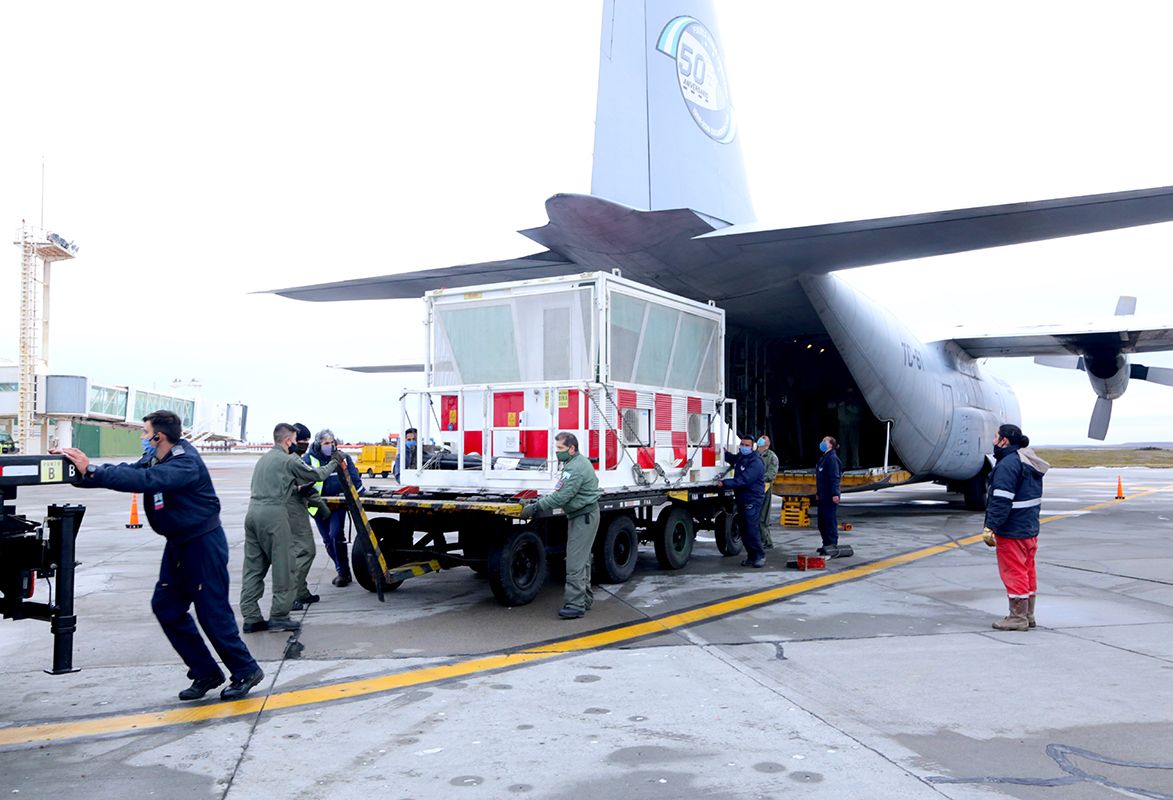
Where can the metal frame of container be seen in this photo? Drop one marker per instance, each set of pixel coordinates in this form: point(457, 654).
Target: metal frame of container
point(593, 402)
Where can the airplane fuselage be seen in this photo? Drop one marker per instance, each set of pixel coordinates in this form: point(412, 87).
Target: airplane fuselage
point(943, 410)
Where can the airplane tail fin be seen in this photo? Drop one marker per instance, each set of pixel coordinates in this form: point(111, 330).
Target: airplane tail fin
point(665, 126)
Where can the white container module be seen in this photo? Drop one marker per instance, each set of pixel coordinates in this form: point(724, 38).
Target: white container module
point(636, 374)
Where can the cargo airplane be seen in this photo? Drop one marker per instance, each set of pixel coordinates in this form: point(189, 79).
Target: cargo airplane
point(663, 100)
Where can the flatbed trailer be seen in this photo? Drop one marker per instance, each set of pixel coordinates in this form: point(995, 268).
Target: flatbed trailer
point(406, 533)
point(635, 374)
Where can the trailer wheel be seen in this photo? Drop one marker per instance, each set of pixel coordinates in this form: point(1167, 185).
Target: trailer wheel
point(384, 474)
point(674, 537)
point(370, 472)
point(727, 527)
point(517, 567)
point(616, 550)
point(391, 537)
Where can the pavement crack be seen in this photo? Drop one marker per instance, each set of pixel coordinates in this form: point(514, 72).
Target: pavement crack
point(1106, 572)
point(252, 729)
point(1121, 648)
point(770, 685)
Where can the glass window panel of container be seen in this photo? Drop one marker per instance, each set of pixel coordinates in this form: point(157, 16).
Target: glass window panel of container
point(708, 380)
point(627, 319)
point(482, 341)
point(656, 345)
point(692, 341)
point(556, 343)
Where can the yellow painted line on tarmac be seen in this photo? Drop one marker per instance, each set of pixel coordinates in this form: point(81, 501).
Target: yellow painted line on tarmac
point(149, 720)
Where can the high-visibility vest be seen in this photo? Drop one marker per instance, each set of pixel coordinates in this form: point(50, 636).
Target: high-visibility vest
point(317, 486)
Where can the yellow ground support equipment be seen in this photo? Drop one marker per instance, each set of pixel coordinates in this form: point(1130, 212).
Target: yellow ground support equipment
point(795, 512)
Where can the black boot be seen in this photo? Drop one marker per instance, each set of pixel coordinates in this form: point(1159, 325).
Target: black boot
point(343, 577)
point(200, 687)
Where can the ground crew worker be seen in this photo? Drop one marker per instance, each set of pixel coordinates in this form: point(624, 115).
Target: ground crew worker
point(748, 483)
point(1012, 518)
point(267, 531)
point(330, 526)
point(182, 506)
point(409, 456)
point(301, 535)
point(770, 463)
point(577, 494)
point(828, 474)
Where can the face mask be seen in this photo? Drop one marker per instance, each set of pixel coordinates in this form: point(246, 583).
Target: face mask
point(823, 447)
point(745, 451)
point(148, 446)
point(999, 452)
point(327, 450)
point(409, 445)
point(301, 447)
point(761, 442)
point(563, 455)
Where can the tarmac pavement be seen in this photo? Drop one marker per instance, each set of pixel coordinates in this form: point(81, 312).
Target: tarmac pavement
point(889, 684)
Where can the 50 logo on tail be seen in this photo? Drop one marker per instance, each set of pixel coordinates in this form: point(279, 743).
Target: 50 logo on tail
point(701, 75)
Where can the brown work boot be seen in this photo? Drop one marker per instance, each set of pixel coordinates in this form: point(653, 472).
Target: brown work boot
point(1030, 611)
point(1016, 620)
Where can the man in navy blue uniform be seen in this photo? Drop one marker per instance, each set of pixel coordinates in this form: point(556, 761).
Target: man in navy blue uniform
point(182, 506)
point(828, 475)
point(749, 485)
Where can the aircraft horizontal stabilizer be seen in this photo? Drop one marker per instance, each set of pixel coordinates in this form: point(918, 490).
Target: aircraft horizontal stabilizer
point(682, 251)
point(823, 248)
point(412, 285)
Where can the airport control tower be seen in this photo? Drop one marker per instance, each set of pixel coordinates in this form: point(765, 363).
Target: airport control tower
point(39, 249)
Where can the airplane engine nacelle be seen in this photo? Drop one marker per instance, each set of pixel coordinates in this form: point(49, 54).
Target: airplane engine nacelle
point(970, 434)
point(1108, 373)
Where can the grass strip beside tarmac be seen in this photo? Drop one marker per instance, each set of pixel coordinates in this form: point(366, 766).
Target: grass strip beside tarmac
point(1106, 456)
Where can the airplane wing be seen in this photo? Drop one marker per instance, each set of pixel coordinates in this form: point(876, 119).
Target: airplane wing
point(374, 368)
point(1118, 334)
point(687, 253)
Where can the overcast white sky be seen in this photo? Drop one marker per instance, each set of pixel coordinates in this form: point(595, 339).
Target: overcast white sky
point(199, 153)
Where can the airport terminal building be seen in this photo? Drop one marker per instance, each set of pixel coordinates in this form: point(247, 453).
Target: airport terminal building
point(106, 419)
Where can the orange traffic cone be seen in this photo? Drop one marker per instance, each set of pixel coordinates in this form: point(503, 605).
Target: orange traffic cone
point(1119, 488)
point(134, 523)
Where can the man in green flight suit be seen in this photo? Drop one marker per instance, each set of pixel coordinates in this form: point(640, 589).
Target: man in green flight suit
point(577, 494)
point(770, 461)
point(267, 532)
point(302, 539)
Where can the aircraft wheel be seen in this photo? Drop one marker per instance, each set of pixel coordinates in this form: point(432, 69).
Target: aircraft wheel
point(977, 490)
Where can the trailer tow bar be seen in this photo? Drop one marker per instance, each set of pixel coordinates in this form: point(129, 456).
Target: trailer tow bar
point(376, 563)
point(385, 578)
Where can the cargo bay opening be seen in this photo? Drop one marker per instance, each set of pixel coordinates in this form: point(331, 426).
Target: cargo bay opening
point(797, 389)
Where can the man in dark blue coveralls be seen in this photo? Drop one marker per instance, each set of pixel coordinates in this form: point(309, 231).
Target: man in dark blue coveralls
point(749, 485)
point(182, 506)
